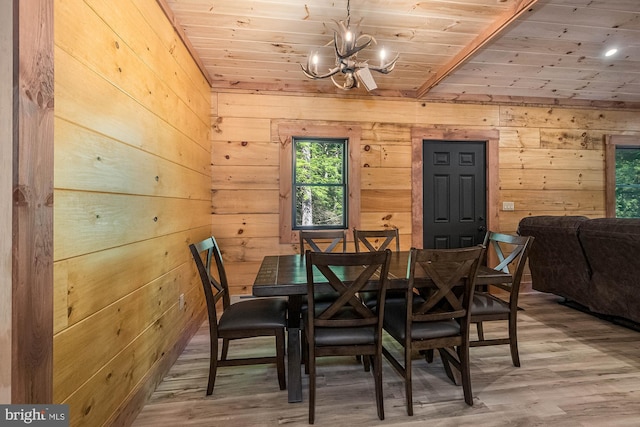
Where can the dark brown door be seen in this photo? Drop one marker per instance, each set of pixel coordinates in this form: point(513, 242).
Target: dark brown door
point(454, 193)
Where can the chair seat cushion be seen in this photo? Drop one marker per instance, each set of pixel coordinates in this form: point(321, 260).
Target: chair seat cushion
point(259, 313)
point(484, 303)
point(345, 336)
point(370, 298)
point(395, 317)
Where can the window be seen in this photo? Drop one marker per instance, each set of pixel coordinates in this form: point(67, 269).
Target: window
point(319, 183)
point(337, 180)
point(622, 170)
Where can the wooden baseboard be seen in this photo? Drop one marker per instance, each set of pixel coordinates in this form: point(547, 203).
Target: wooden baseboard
point(133, 404)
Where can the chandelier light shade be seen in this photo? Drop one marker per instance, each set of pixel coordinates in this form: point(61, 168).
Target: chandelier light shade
point(348, 72)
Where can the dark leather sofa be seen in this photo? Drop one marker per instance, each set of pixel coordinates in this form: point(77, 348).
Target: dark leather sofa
point(593, 262)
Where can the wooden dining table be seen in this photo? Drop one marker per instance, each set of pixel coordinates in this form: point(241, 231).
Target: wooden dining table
point(286, 275)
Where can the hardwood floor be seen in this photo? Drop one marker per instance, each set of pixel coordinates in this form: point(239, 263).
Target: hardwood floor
point(577, 370)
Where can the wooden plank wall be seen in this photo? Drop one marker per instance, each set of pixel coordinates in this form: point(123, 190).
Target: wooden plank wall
point(132, 190)
point(551, 161)
point(6, 178)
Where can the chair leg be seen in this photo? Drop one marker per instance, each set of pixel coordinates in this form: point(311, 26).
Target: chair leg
point(480, 331)
point(225, 349)
point(465, 371)
point(213, 366)
point(305, 353)
point(377, 375)
point(312, 386)
point(408, 389)
point(513, 342)
point(428, 355)
point(280, 358)
point(444, 356)
point(366, 361)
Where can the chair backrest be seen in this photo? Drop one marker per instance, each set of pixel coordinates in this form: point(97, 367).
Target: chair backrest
point(516, 249)
point(346, 274)
point(376, 240)
point(214, 280)
point(322, 240)
point(454, 273)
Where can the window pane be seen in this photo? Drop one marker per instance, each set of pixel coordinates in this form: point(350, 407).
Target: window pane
point(319, 183)
point(628, 182)
point(319, 162)
point(320, 206)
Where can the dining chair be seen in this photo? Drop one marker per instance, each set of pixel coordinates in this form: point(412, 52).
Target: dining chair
point(322, 240)
point(244, 319)
point(510, 256)
point(346, 327)
point(440, 319)
point(376, 240)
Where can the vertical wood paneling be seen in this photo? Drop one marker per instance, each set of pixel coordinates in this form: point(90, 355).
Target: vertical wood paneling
point(32, 311)
point(6, 178)
point(133, 189)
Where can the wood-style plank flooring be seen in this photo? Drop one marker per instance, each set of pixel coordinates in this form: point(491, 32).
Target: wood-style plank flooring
point(577, 370)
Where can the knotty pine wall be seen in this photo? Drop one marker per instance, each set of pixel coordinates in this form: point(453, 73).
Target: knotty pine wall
point(551, 162)
point(132, 189)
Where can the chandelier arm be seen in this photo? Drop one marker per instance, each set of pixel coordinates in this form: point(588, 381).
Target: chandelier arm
point(386, 68)
point(350, 82)
point(370, 37)
point(312, 75)
point(337, 85)
point(351, 48)
point(352, 51)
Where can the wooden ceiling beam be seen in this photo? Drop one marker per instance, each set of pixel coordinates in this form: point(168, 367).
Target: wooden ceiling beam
point(519, 7)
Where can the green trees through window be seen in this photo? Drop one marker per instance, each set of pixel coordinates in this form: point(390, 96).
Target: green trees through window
point(319, 183)
point(628, 182)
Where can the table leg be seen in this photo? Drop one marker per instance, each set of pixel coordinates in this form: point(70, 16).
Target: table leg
point(293, 350)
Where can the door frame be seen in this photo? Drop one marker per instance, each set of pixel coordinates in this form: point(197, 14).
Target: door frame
point(32, 203)
point(418, 134)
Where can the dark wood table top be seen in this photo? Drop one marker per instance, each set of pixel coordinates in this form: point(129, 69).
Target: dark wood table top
point(286, 275)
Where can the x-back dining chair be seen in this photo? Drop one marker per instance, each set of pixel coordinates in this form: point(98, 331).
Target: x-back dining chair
point(440, 320)
point(244, 319)
point(511, 254)
point(323, 241)
point(376, 240)
point(345, 327)
point(328, 241)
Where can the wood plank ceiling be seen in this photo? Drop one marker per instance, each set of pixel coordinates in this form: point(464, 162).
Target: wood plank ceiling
point(477, 50)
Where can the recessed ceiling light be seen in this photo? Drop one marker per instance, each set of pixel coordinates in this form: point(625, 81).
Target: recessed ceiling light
point(611, 52)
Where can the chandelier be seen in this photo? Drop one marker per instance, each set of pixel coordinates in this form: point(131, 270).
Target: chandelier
point(348, 72)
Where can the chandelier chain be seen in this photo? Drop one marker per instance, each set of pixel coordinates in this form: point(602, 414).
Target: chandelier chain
point(348, 13)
